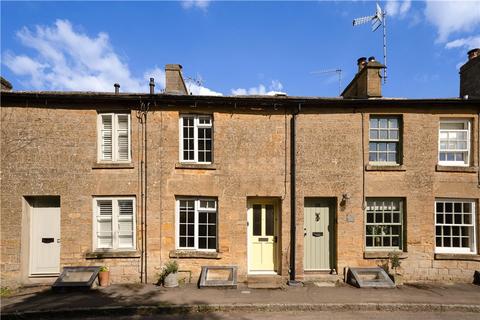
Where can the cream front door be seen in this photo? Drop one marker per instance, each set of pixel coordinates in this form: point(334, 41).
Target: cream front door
point(262, 237)
point(45, 241)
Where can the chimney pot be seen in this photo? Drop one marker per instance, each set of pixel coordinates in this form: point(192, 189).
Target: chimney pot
point(473, 53)
point(361, 62)
point(117, 88)
point(372, 58)
point(152, 85)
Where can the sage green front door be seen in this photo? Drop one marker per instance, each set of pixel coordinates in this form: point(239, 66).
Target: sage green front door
point(318, 226)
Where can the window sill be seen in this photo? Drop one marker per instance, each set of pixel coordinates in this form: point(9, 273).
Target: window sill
point(383, 254)
point(457, 256)
point(196, 254)
point(442, 168)
point(112, 254)
point(113, 165)
point(372, 167)
point(197, 166)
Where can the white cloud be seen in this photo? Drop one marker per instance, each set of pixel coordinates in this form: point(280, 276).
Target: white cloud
point(200, 4)
point(398, 8)
point(274, 88)
point(466, 43)
point(66, 59)
point(453, 16)
point(199, 90)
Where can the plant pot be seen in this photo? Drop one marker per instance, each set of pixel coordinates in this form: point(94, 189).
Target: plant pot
point(104, 278)
point(397, 279)
point(171, 280)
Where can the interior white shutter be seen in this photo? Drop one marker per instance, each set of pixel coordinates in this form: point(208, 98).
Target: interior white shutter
point(104, 224)
point(107, 136)
point(123, 149)
point(125, 224)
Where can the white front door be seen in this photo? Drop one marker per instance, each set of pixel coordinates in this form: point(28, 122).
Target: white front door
point(262, 237)
point(45, 241)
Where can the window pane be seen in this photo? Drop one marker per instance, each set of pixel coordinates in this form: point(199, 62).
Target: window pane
point(257, 220)
point(393, 123)
point(202, 243)
point(373, 123)
point(373, 134)
point(383, 123)
point(269, 220)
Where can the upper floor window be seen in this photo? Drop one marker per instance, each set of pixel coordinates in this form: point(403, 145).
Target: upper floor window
point(114, 227)
point(196, 223)
point(196, 138)
point(455, 226)
point(454, 142)
point(384, 224)
point(384, 142)
point(114, 137)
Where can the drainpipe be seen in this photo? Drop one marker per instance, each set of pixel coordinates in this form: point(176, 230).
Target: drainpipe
point(478, 156)
point(293, 200)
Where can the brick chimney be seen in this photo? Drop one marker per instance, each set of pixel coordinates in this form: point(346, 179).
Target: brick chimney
point(470, 76)
point(367, 83)
point(174, 83)
point(6, 85)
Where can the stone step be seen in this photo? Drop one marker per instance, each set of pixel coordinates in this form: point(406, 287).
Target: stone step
point(265, 282)
point(322, 279)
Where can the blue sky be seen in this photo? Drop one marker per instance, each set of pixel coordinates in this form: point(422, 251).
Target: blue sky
point(234, 47)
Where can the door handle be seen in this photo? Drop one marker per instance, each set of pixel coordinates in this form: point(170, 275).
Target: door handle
point(317, 234)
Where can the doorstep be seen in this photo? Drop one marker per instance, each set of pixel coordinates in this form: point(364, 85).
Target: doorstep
point(263, 281)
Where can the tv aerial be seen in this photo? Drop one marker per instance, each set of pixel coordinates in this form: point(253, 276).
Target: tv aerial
point(377, 20)
point(338, 71)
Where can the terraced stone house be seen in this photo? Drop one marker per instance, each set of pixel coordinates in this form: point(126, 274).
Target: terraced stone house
point(282, 187)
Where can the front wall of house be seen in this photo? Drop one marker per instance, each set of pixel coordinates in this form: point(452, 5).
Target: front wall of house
point(330, 165)
point(52, 151)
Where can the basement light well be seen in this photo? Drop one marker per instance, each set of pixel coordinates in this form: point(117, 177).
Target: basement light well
point(218, 277)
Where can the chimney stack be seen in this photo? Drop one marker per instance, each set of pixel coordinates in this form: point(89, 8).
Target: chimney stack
point(152, 85)
point(470, 76)
point(117, 88)
point(174, 83)
point(367, 83)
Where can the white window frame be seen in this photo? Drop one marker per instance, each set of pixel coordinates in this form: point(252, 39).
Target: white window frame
point(196, 233)
point(473, 247)
point(115, 155)
point(467, 124)
point(401, 224)
point(115, 215)
point(196, 125)
point(398, 141)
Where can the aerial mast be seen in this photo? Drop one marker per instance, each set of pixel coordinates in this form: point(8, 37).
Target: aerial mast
point(378, 19)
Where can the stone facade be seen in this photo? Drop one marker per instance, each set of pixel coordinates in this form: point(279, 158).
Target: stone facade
point(49, 147)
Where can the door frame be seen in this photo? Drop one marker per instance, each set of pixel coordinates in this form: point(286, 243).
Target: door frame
point(276, 205)
point(333, 241)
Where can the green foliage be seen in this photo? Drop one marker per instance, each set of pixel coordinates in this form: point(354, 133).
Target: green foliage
point(394, 258)
point(5, 291)
point(169, 267)
point(103, 268)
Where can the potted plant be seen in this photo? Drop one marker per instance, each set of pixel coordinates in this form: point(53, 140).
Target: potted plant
point(169, 275)
point(394, 258)
point(104, 276)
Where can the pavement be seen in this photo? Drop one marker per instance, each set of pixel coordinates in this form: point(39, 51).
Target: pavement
point(135, 299)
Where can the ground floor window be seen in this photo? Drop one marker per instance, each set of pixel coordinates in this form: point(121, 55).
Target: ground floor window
point(196, 223)
point(115, 223)
point(384, 224)
point(455, 226)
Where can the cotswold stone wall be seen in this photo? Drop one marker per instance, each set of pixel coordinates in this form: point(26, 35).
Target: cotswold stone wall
point(53, 151)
